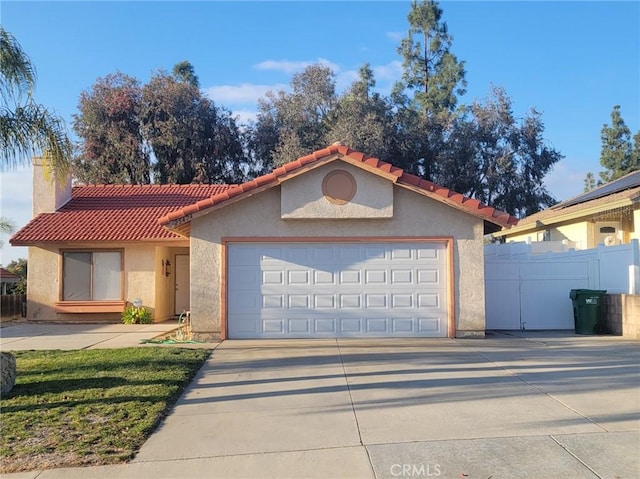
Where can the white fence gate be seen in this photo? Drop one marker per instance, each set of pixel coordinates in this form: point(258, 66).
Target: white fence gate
point(525, 290)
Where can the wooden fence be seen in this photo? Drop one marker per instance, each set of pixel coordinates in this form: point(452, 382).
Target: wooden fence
point(11, 305)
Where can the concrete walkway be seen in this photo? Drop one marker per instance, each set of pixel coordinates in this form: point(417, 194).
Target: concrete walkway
point(28, 336)
point(510, 406)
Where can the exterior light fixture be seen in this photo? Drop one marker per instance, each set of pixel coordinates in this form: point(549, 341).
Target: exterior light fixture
point(166, 267)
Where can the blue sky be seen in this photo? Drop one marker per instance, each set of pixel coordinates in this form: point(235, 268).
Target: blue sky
point(572, 61)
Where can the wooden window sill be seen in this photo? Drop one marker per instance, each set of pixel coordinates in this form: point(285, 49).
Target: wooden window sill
point(89, 306)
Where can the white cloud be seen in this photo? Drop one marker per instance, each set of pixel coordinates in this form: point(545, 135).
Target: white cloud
point(289, 67)
point(392, 71)
point(245, 93)
point(242, 99)
point(385, 76)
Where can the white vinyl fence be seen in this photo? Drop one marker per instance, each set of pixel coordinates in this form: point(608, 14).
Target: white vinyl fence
point(526, 289)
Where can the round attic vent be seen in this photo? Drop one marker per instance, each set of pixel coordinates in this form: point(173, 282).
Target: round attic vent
point(339, 187)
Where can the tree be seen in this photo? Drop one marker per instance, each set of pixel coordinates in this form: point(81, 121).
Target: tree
point(185, 72)
point(112, 148)
point(430, 69)
point(18, 267)
point(122, 125)
point(27, 128)
point(293, 124)
point(620, 154)
point(498, 159)
point(6, 228)
point(192, 139)
point(435, 77)
point(362, 118)
point(589, 182)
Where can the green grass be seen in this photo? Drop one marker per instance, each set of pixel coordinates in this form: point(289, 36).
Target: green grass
point(89, 407)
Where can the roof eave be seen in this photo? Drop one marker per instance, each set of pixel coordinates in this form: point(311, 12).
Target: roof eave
point(561, 218)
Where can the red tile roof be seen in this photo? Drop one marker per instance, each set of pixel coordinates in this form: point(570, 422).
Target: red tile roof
point(140, 212)
point(432, 190)
point(8, 276)
point(114, 213)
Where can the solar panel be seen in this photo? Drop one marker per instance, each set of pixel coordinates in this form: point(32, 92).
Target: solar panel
point(628, 181)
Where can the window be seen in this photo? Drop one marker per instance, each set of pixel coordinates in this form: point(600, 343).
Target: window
point(92, 276)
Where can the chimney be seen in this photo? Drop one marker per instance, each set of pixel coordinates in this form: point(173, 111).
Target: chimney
point(49, 192)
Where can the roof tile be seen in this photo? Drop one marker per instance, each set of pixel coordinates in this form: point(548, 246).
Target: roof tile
point(472, 206)
point(137, 212)
point(115, 213)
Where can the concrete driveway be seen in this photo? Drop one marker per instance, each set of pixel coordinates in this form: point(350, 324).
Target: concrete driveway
point(509, 406)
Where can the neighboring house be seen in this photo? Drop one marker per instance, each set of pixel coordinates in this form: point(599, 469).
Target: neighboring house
point(7, 278)
point(333, 244)
point(609, 215)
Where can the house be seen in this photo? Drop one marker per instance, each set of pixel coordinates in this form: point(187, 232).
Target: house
point(336, 243)
point(7, 278)
point(609, 215)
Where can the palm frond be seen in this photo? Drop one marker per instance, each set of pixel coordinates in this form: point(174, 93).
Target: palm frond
point(32, 130)
point(17, 73)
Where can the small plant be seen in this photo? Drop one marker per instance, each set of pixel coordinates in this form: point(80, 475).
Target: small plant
point(136, 315)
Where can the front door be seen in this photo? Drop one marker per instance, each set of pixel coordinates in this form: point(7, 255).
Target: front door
point(182, 283)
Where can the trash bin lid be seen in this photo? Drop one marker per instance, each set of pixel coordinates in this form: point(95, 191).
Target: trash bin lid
point(586, 292)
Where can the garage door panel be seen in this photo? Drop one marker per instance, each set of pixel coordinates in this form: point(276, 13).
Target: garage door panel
point(298, 301)
point(376, 301)
point(372, 253)
point(325, 301)
point(240, 302)
point(350, 254)
point(273, 326)
point(324, 326)
point(272, 277)
point(350, 277)
point(350, 326)
point(375, 276)
point(401, 276)
point(429, 325)
point(273, 301)
point(402, 300)
point(401, 253)
point(332, 290)
point(299, 326)
point(429, 300)
point(376, 325)
point(400, 325)
point(323, 277)
point(296, 277)
point(248, 277)
point(428, 276)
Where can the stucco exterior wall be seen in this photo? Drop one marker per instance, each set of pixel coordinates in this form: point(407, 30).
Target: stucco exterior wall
point(580, 233)
point(259, 216)
point(577, 232)
point(303, 198)
point(635, 232)
point(51, 193)
point(44, 281)
point(140, 275)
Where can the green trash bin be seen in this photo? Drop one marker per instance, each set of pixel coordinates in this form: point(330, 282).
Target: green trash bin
point(587, 310)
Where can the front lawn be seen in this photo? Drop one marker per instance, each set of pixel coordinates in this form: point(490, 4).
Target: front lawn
point(89, 407)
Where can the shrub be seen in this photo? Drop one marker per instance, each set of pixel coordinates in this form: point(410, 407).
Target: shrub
point(133, 315)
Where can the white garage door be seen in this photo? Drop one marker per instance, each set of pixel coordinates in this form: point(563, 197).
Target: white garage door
point(302, 290)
